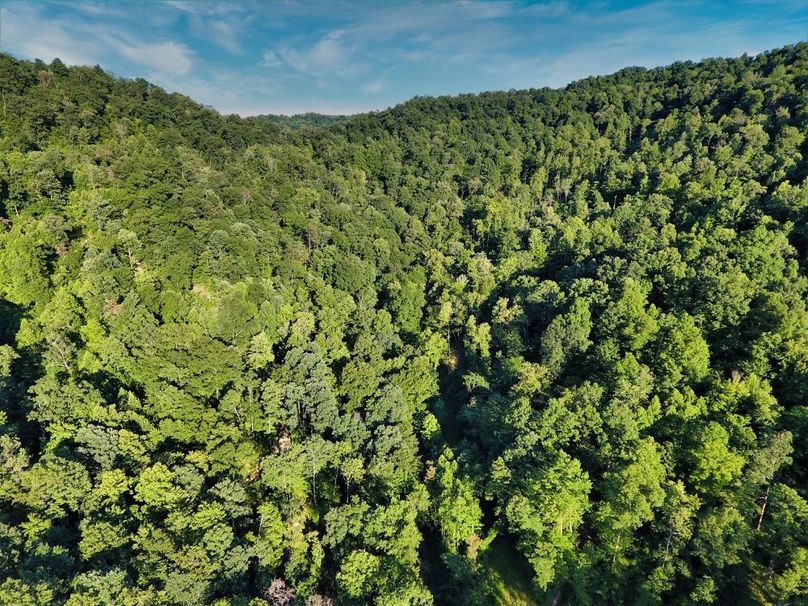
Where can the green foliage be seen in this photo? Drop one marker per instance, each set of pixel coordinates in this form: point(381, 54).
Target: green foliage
point(542, 346)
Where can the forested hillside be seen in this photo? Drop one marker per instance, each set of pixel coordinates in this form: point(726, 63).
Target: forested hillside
point(534, 347)
point(307, 120)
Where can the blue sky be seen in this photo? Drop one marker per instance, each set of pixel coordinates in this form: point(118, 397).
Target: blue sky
point(256, 57)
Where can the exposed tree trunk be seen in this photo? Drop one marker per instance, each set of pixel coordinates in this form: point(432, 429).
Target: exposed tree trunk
point(763, 508)
point(556, 596)
point(668, 543)
point(616, 547)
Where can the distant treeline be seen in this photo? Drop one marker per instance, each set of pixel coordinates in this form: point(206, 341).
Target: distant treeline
point(307, 120)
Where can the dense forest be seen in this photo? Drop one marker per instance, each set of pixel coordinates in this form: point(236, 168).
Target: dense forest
point(534, 347)
point(307, 120)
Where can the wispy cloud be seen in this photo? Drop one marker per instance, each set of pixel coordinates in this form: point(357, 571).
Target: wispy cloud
point(225, 34)
point(168, 57)
point(372, 88)
point(219, 23)
point(203, 7)
point(352, 55)
point(270, 59)
point(27, 32)
point(329, 56)
point(222, 30)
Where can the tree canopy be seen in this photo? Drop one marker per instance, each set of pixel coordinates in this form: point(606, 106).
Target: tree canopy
point(357, 360)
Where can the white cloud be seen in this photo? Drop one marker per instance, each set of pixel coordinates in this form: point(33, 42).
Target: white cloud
point(25, 33)
point(437, 33)
point(205, 7)
point(225, 34)
point(397, 19)
point(270, 59)
point(168, 57)
point(97, 9)
point(220, 23)
point(222, 31)
point(372, 88)
point(329, 56)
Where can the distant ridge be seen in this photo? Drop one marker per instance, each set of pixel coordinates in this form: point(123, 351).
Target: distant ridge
point(306, 120)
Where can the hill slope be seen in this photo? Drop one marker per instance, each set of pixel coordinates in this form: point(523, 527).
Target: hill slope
point(307, 120)
point(548, 342)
